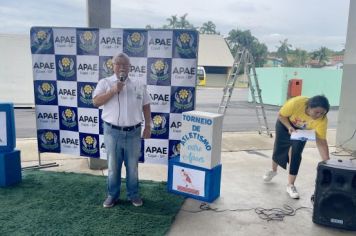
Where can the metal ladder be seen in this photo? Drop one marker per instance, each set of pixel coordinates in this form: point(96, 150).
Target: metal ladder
point(231, 80)
point(244, 58)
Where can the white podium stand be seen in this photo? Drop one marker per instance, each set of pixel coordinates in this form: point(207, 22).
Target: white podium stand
point(201, 139)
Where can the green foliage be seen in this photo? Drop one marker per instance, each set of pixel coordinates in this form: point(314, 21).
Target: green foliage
point(178, 23)
point(208, 28)
point(321, 55)
point(296, 58)
point(245, 39)
point(283, 51)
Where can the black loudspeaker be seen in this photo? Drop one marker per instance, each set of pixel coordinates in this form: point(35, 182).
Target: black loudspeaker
point(335, 194)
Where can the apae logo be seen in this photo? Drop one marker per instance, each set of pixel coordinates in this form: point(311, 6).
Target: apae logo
point(43, 67)
point(70, 141)
point(86, 92)
point(160, 42)
point(87, 41)
point(49, 140)
point(64, 39)
point(160, 70)
point(67, 92)
point(159, 125)
point(47, 116)
point(108, 68)
point(46, 92)
point(86, 68)
point(185, 44)
point(88, 120)
point(41, 41)
point(156, 150)
point(184, 71)
point(66, 67)
point(175, 150)
point(90, 144)
point(159, 99)
point(110, 41)
point(183, 99)
point(68, 118)
point(135, 42)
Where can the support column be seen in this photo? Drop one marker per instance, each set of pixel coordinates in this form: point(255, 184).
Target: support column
point(346, 126)
point(99, 13)
point(98, 16)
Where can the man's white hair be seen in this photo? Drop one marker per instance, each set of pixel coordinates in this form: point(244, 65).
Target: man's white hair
point(119, 56)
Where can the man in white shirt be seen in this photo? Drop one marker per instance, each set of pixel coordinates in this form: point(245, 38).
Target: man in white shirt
point(123, 100)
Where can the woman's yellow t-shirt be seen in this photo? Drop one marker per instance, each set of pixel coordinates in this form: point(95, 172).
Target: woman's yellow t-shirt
point(295, 108)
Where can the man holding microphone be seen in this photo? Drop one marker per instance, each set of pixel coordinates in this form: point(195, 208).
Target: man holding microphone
point(123, 100)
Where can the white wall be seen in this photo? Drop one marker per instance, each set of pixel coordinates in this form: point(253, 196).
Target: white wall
point(16, 81)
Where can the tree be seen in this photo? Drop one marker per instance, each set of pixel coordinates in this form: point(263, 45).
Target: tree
point(240, 38)
point(321, 55)
point(184, 23)
point(173, 22)
point(301, 57)
point(181, 23)
point(208, 28)
point(283, 51)
point(245, 39)
point(259, 52)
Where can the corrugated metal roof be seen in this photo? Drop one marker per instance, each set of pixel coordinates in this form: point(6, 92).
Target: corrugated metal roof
point(213, 51)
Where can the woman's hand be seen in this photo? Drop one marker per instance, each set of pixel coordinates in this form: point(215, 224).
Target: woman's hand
point(291, 130)
point(285, 121)
point(323, 148)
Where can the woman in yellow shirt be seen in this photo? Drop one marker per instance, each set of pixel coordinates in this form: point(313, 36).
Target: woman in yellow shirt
point(298, 113)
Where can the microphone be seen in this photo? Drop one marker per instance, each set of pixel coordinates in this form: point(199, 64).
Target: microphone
point(122, 77)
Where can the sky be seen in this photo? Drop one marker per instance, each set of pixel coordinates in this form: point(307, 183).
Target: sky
point(307, 24)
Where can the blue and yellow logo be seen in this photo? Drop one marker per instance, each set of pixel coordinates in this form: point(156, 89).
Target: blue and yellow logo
point(108, 68)
point(185, 44)
point(41, 40)
point(87, 41)
point(135, 42)
point(66, 67)
point(68, 118)
point(183, 99)
point(176, 149)
point(90, 144)
point(49, 140)
point(86, 93)
point(46, 92)
point(159, 125)
point(160, 70)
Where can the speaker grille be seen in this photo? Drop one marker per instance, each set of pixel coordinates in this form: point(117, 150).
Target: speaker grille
point(337, 206)
point(326, 178)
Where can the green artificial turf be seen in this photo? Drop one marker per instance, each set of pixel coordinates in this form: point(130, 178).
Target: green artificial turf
point(57, 203)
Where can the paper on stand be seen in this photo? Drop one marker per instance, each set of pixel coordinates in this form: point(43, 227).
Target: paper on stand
point(302, 134)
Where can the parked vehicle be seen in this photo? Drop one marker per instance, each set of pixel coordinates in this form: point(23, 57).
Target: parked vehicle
point(201, 76)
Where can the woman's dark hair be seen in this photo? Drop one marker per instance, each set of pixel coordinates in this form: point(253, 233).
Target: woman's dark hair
point(319, 101)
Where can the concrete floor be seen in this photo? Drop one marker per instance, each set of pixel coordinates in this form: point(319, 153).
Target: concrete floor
point(245, 158)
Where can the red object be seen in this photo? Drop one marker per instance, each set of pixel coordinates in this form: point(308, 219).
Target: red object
point(295, 87)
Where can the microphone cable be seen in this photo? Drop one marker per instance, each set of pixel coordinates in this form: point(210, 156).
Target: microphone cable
point(273, 214)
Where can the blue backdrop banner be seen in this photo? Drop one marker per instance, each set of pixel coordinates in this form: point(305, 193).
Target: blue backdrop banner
point(68, 63)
